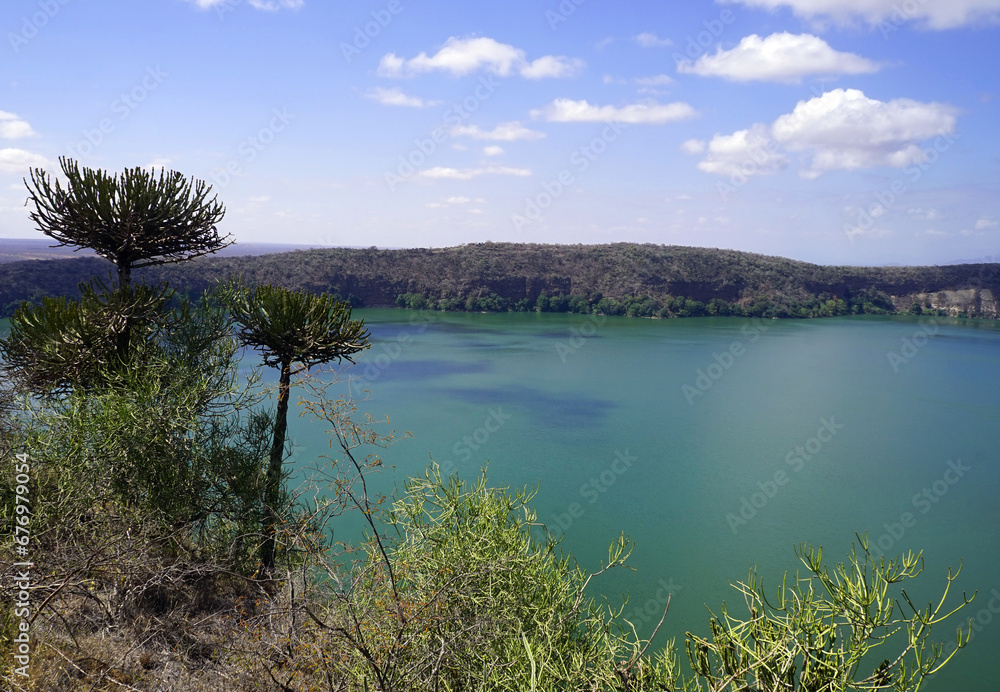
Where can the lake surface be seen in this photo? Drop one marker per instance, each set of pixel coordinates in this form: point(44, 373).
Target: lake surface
point(715, 443)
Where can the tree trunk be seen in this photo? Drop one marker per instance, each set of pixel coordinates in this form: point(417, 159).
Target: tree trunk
point(272, 492)
point(124, 337)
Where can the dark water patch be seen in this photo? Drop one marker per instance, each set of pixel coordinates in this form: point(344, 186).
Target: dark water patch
point(547, 408)
point(412, 370)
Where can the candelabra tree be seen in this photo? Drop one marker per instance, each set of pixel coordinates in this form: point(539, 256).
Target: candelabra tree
point(290, 327)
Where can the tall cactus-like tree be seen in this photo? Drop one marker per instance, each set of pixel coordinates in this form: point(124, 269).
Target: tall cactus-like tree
point(134, 219)
point(290, 327)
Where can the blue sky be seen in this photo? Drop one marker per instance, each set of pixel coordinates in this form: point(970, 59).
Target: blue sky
point(832, 131)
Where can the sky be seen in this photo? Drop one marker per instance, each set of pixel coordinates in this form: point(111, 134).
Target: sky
point(849, 132)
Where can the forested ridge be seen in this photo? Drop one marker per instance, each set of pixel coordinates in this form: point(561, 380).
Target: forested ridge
point(621, 278)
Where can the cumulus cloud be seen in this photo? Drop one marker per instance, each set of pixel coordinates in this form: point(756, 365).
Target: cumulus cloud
point(693, 146)
point(889, 14)
point(644, 113)
point(396, 97)
point(745, 152)
point(841, 130)
point(451, 201)
point(461, 56)
point(493, 150)
point(19, 161)
point(780, 57)
point(13, 127)
point(504, 132)
point(844, 129)
point(442, 172)
point(654, 81)
point(159, 162)
point(275, 5)
point(651, 40)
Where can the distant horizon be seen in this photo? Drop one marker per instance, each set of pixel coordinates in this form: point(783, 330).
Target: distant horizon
point(991, 259)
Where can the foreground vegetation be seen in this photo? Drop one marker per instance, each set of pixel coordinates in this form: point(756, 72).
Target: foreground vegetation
point(160, 546)
point(163, 560)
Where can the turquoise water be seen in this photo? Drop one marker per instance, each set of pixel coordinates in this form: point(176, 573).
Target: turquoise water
point(613, 421)
point(715, 443)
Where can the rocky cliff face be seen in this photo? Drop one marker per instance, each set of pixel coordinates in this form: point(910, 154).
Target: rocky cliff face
point(974, 302)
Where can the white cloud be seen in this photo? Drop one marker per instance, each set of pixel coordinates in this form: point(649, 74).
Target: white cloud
point(646, 113)
point(259, 200)
point(493, 150)
point(275, 5)
point(396, 97)
point(461, 56)
point(13, 127)
point(451, 201)
point(504, 132)
point(841, 130)
point(745, 152)
point(470, 173)
point(889, 14)
point(655, 80)
point(984, 223)
point(651, 40)
point(780, 57)
point(19, 161)
point(844, 129)
point(551, 66)
point(693, 146)
point(160, 162)
point(927, 214)
point(266, 5)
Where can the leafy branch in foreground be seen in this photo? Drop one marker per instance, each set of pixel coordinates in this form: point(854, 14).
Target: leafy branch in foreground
point(818, 634)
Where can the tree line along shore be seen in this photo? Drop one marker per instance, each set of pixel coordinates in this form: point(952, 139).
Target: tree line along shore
point(616, 279)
